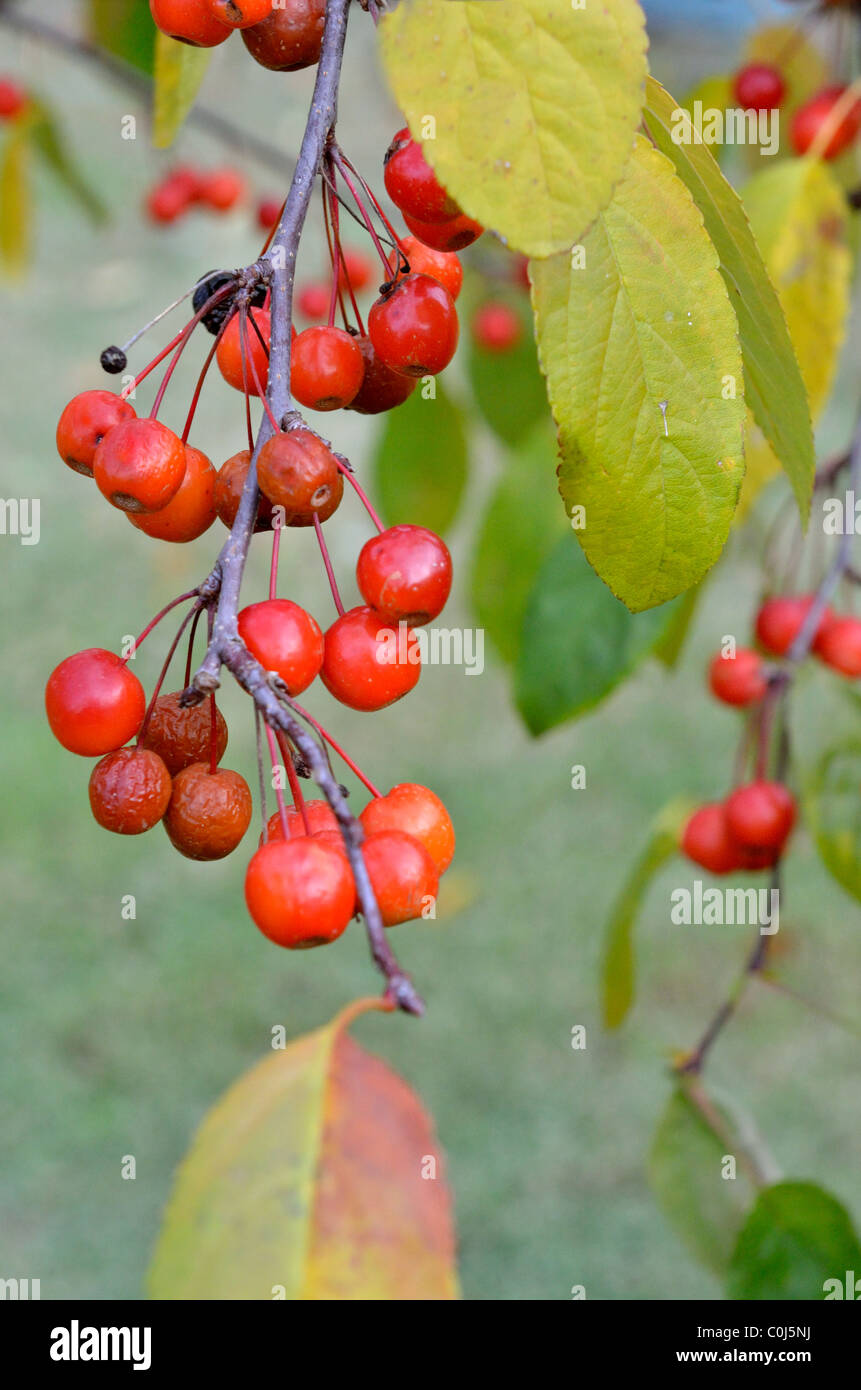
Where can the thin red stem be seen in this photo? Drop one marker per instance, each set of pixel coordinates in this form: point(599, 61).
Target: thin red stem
point(160, 682)
point(190, 653)
point(249, 359)
point(273, 568)
point(366, 216)
point(213, 736)
point(366, 781)
point(324, 551)
point(184, 339)
point(295, 788)
point(279, 795)
point(366, 501)
point(192, 593)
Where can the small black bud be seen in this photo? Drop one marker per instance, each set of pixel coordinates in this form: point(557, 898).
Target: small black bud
point(114, 360)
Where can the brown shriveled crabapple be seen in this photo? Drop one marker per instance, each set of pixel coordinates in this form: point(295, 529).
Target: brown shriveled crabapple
point(129, 791)
point(183, 735)
point(209, 811)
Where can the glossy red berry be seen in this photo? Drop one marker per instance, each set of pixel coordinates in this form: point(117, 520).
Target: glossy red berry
point(190, 511)
point(839, 646)
point(381, 388)
point(228, 354)
point(285, 639)
point(780, 620)
point(300, 893)
point(94, 702)
point(129, 791)
point(496, 327)
point(190, 21)
point(416, 811)
point(810, 118)
point(13, 99)
point(368, 664)
point(326, 368)
point(312, 301)
point(290, 37)
point(443, 266)
point(414, 327)
point(759, 87)
point(412, 184)
point(402, 873)
point(239, 14)
point(229, 482)
point(209, 812)
point(404, 573)
point(707, 841)
point(268, 213)
point(298, 472)
point(319, 815)
point(182, 736)
point(222, 189)
point(85, 422)
point(738, 679)
point(455, 235)
point(760, 816)
point(139, 465)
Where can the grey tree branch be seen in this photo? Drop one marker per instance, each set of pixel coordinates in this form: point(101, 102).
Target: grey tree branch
point(225, 647)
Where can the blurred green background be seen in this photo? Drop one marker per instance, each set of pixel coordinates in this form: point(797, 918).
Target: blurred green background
point(116, 1036)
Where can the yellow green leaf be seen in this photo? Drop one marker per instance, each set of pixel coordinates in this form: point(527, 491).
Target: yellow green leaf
point(618, 970)
point(317, 1176)
point(526, 108)
point(16, 211)
point(639, 344)
point(179, 71)
point(773, 385)
point(799, 218)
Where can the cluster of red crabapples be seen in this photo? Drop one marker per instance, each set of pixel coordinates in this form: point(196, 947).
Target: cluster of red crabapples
point(762, 87)
point(750, 828)
point(184, 187)
point(299, 885)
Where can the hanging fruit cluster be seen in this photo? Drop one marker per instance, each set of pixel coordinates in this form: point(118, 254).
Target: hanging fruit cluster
point(160, 759)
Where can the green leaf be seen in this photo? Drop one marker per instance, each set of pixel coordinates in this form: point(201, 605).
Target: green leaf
point(526, 108)
point(774, 388)
point(685, 1169)
point(422, 461)
point(508, 387)
point(617, 965)
point(518, 531)
point(796, 1238)
point(644, 322)
point(671, 643)
point(16, 209)
point(578, 641)
point(179, 71)
point(51, 146)
point(832, 812)
point(125, 29)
